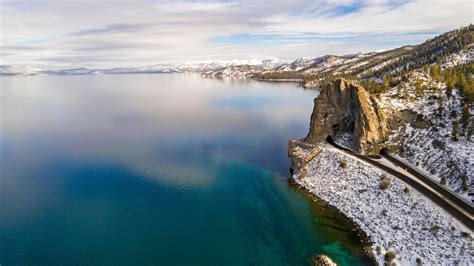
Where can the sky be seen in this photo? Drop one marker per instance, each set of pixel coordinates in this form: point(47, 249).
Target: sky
point(118, 33)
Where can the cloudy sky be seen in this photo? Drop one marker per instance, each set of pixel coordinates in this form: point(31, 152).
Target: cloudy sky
point(118, 33)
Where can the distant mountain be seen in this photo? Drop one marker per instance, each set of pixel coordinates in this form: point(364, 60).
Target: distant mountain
point(216, 65)
point(19, 70)
point(298, 64)
point(73, 71)
point(235, 71)
point(142, 70)
point(192, 66)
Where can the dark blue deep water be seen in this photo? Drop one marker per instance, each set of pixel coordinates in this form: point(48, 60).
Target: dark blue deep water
point(158, 169)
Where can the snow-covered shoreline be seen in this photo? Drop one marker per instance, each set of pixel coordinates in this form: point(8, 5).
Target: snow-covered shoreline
point(397, 219)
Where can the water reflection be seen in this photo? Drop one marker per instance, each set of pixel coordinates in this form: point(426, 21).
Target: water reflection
point(139, 169)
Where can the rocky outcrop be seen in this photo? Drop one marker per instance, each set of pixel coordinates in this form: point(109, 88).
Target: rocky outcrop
point(345, 108)
point(300, 154)
point(322, 260)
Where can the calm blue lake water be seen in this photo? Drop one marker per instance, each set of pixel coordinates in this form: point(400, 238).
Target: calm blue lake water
point(157, 169)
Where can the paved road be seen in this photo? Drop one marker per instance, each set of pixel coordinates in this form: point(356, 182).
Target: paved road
point(396, 160)
point(461, 209)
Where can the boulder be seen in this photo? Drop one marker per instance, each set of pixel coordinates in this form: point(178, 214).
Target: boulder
point(322, 260)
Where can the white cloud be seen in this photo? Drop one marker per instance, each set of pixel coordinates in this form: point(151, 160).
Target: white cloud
point(133, 33)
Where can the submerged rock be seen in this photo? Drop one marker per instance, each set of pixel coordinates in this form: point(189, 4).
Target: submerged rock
point(322, 260)
point(345, 107)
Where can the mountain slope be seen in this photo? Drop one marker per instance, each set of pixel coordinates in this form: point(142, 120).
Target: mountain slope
point(373, 66)
point(428, 131)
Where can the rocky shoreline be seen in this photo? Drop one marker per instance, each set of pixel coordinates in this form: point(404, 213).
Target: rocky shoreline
point(366, 241)
point(397, 219)
point(404, 226)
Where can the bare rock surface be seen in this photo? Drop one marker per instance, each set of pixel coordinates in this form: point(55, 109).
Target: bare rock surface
point(345, 107)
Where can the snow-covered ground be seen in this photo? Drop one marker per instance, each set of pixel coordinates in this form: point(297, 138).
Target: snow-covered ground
point(462, 57)
point(396, 219)
point(428, 141)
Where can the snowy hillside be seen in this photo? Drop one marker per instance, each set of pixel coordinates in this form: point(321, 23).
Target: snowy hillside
point(374, 66)
point(426, 134)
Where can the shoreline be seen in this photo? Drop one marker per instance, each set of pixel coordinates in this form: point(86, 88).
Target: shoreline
point(405, 223)
point(297, 82)
point(364, 238)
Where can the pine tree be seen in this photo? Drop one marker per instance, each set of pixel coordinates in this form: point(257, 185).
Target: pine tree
point(405, 93)
point(418, 88)
point(464, 180)
point(426, 68)
point(460, 83)
point(465, 116)
point(441, 105)
point(435, 72)
point(455, 131)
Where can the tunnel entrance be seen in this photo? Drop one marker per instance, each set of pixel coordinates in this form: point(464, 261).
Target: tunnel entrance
point(329, 139)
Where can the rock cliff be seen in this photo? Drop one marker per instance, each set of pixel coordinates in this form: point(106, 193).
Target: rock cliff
point(345, 109)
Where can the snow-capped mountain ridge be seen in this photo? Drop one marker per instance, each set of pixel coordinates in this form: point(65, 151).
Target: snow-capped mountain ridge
point(372, 65)
point(190, 66)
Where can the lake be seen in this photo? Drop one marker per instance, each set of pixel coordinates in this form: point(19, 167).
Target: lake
point(165, 169)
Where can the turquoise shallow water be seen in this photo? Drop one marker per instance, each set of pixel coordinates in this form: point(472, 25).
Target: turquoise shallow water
point(157, 169)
